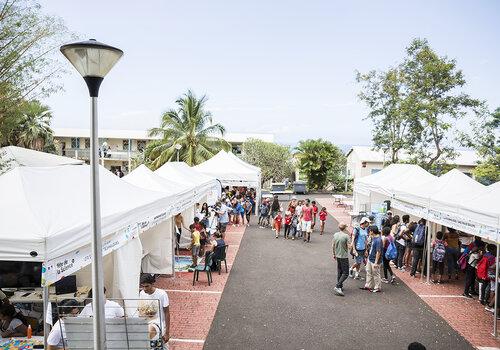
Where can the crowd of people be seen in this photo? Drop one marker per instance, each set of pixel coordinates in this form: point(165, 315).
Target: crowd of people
point(298, 220)
point(401, 244)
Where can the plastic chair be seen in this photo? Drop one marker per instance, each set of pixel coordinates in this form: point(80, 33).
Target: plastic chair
point(205, 267)
point(221, 256)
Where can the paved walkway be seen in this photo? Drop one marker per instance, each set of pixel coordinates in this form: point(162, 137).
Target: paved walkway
point(279, 296)
point(192, 308)
point(445, 299)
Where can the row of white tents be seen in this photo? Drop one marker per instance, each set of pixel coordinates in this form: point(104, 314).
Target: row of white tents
point(45, 214)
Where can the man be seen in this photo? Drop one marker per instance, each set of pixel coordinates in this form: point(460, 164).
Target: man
point(149, 292)
point(387, 220)
point(340, 247)
point(179, 224)
point(306, 218)
point(111, 308)
point(419, 241)
point(315, 211)
point(223, 217)
point(373, 278)
point(358, 244)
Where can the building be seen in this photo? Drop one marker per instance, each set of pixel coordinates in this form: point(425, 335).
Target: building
point(363, 161)
point(123, 145)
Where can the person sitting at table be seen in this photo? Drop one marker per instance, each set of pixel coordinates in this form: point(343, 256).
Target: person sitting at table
point(57, 336)
point(111, 308)
point(216, 245)
point(13, 323)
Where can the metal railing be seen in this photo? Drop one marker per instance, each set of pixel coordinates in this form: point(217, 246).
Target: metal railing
point(84, 154)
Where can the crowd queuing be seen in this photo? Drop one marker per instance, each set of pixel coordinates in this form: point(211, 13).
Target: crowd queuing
point(401, 244)
point(298, 220)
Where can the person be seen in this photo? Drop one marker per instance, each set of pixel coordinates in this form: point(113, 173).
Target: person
point(408, 237)
point(485, 269)
point(248, 211)
point(198, 226)
point(12, 324)
point(315, 214)
point(307, 218)
point(294, 226)
point(288, 224)
point(278, 219)
point(396, 229)
point(195, 244)
point(418, 242)
point(275, 208)
point(236, 213)
point(438, 256)
point(223, 217)
point(373, 280)
point(205, 212)
point(340, 247)
point(179, 224)
point(161, 302)
point(452, 251)
point(111, 308)
point(322, 219)
point(217, 242)
point(242, 211)
point(358, 246)
point(57, 336)
point(387, 220)
point(470, 270)
point(212, 222)
point(264, 214)
point(298, 213)
point(387, 239)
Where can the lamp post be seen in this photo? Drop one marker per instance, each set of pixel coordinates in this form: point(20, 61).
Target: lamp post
point(93, 60)
point(178, 148)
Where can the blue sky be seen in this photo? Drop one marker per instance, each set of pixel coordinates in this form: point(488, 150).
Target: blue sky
point(285, 67)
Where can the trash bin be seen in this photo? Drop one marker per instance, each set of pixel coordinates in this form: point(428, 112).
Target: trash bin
point(278, 187)
point(299, 187)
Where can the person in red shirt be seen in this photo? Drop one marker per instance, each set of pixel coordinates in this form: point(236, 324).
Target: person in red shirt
point(288, 223)
point(315, 210)
point(307, 219)
point(277, 223)
point(322, 218)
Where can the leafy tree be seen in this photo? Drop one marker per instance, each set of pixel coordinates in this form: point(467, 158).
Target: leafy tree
point(320, 161)
point(189, 126)
point(275, 161)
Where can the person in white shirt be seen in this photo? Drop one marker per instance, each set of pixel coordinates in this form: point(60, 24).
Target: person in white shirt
point(160, 298)
point(57, 336)
point(111, 308)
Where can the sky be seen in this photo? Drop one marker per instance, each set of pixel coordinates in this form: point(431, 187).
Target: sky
point(281, 67)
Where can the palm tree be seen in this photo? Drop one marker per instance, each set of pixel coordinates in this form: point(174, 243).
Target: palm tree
point(189, 126)
point(33, 130)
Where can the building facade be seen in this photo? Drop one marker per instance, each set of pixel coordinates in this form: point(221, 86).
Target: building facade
point(364, 161)
point(123, 145)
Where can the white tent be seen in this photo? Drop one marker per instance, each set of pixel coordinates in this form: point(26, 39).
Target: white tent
point(45, 217)
point(17, 156)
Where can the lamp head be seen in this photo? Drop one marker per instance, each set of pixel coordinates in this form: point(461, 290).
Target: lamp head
point(93, 60)
point(178, 146)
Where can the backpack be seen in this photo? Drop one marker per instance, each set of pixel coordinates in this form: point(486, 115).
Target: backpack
point(419, 236)
point(482, 268)
point(439, 251)
point(462, 261)
point(392, 252)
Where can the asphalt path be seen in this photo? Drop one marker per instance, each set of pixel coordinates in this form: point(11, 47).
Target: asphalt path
point(279, 295)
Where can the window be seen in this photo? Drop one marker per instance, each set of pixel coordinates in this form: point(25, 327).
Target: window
point(75, 142)
point(125, 145)
point(375, 171)
point(141, 144)
point(87, 143)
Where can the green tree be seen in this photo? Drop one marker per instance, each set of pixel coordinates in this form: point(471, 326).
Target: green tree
point(191, 127)
point(275, 161)
point(434, 85)
point(320, 161)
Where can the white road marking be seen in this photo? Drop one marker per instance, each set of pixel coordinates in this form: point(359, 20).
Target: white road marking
point(192, 291)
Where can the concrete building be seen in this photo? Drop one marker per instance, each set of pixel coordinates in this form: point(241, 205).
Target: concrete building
point(124, 145)
point(363, 161)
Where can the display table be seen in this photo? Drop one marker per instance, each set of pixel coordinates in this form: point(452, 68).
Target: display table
point(21, 343)
point(37, 297)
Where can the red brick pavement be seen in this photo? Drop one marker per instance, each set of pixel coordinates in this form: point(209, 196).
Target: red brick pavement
point(466, 316)
point(192, 308)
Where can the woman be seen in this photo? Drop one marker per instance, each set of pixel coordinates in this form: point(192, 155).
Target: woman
point(400, 242)
point(275, 208)
point(57, 336)
point(387, 239)
point(13, 323)
point(452, 251)
point(206, 214)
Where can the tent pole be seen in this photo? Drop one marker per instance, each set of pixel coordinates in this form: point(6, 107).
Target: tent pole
point(46, 329)
point(495, 314)
point(428, 258)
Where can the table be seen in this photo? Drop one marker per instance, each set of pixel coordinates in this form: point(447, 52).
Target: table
point(35, 297)
point(21, 343)
point(338, 198)
point(349, 204)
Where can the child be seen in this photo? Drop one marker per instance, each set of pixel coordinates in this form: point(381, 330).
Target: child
point(315, 214)
point(288, 224)
point(295, 224)
point(248, 211)
point(438, 254)
point(322, 219)
point(195, 244)
point(277, 223)
point(264, 214)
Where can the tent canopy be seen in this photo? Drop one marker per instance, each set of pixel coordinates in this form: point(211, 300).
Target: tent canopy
point(47, 210)
point(230, 170)
point(18, 156)
point(183, 173)
point(144, 177)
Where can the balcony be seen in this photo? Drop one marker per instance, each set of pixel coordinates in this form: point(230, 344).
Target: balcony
point(84, 154)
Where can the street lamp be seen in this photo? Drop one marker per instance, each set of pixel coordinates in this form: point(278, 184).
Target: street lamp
point(93, 60)
point(178, 148)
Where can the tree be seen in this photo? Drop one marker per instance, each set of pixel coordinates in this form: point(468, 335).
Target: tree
point(433, 84)
point(385, 95)
point(320, 161)
point(275, 161)
point(189, 126)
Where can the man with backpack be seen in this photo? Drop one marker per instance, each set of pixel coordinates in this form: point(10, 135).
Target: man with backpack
point(419, 238)
point(358, 244)
point(438, 255)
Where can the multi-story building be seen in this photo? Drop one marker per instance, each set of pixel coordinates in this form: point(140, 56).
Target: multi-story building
point(123, 145)
point(363, 161)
